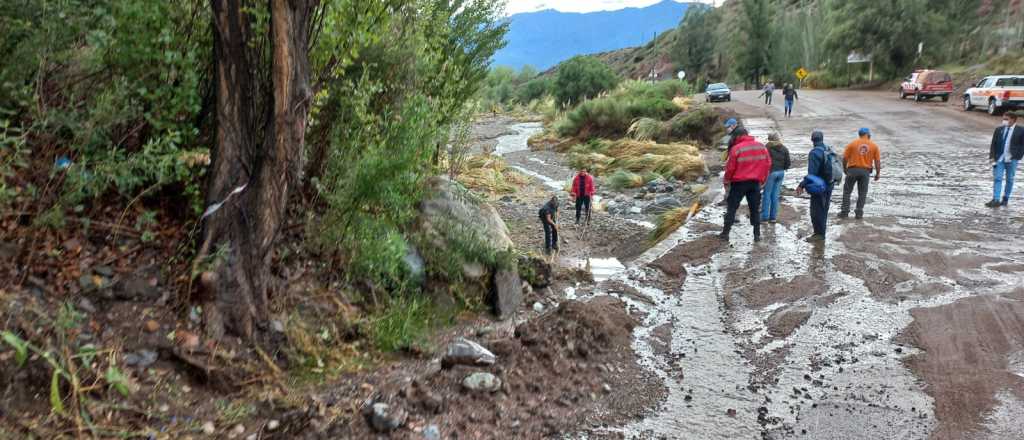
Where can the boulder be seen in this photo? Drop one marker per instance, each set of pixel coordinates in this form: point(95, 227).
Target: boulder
point(507, 293)
point(462, 351)
point(450, 203)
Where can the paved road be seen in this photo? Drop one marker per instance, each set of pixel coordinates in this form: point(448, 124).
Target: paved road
point(908, 324)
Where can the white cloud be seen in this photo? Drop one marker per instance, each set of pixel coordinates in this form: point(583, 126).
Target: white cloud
point(517, 6)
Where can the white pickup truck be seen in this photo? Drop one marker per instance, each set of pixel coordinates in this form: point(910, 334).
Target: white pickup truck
point(996, 93)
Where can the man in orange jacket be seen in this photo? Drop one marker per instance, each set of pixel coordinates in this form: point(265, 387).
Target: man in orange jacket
point(746, 171)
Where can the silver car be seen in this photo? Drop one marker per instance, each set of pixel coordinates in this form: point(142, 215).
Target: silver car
point(717, 92)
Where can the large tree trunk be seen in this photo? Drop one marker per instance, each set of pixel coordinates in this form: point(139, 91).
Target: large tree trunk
point(238, 239)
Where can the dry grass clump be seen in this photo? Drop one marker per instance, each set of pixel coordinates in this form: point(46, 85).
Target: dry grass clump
point(672, 220)
point(683, 102)
point(682, 161)
point(490, 174)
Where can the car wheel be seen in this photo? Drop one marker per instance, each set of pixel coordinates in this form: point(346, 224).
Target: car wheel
point(967, 103)
point(992, 108)
point(945, 98)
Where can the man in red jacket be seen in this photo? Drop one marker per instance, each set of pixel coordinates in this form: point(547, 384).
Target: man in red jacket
point(582, 191)
point(746, 170)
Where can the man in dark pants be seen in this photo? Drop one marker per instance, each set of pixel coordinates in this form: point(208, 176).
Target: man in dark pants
point(746, 171)
point(582, 191)
point(1005, 153)
point(860, 157)
point(819, 167)
point(548, 216)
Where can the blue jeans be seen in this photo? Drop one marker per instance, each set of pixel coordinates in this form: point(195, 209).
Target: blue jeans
point(770, 199)
point(998, 171)
point(789, 106)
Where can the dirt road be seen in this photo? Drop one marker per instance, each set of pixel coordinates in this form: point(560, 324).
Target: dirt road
point(908, 324)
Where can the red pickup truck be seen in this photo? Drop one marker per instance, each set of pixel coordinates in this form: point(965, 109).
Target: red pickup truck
point(923, 84)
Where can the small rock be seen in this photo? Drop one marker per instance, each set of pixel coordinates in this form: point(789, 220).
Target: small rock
point(383, 418)
point(86, 305)
point(277, 326)
point(252, 437)
point(186, 340)
point(538, 307)
point(607, 388)
point(481, 381)
point(730, 412)
point(209, 428)
point(462, 351)
point(152, 326)
point(432, 432)
point(164, 408)
point(474, 270)
point(135, 288)
point(272, 425)
point(636, 210)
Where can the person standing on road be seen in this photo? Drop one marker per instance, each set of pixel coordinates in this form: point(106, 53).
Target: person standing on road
point(773, 187)
point(548, 217)
point(1005, 152)
point(818, 184)
point(789, 94)
point(767, 92)
point(745, 171)
point(582, 192)
point(859, 158)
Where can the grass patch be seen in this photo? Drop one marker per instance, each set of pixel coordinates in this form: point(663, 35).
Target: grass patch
point(406, 323)
point(490, 174)
point(645, 129)
point(623, 179)
point(646, 160)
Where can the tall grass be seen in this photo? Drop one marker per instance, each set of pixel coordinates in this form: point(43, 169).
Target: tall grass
point(623, 179)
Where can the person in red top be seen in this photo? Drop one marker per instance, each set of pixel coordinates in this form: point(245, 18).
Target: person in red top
point(746, 170)
point(582, 191)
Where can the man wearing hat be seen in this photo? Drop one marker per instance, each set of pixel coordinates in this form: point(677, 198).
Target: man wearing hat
point(1005, 152)
point(859, 158)
point(818, 184)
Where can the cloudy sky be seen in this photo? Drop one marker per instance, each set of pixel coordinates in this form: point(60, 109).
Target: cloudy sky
point(517, 6)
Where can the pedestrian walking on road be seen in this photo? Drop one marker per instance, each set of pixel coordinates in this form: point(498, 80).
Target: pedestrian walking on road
point(859, 158)
point(767, 92)
point(818, 183)
point(773, 187)
point(746, 171)
point(789, 94)
point(582, 192)
point(1005, 152)
point(548, 218)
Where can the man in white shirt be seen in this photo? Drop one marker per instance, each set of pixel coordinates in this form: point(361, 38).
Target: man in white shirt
point(1005, 153)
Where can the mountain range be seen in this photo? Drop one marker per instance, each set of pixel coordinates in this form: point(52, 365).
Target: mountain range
point(542, 39)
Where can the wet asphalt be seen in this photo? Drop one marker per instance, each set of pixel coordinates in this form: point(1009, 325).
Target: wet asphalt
point(907, 324)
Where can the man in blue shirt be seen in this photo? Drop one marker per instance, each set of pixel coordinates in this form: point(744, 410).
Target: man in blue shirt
point(818, 184)
point(1005, 152)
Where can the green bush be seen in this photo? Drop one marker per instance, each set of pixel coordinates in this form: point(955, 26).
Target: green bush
point(623, 179)
point(581, 78)
point(533, 90)
point(612, 116)
point(405, 322)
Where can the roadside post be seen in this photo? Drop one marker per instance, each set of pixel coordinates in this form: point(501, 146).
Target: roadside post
point(801, 73)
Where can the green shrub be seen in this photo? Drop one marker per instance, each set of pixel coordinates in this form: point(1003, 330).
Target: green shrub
point(623, 179)
point(533, 90)
point(700, 124)
point(612, 116)
point(645, 129)
point(405, 322)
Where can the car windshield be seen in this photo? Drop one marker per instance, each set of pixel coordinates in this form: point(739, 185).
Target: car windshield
point(717, 87)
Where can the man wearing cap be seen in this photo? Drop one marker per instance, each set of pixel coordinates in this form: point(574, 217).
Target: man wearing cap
point(860, 157)
point(818, 184)
point(1005, 152)
point(727, 140)
point(746, 171)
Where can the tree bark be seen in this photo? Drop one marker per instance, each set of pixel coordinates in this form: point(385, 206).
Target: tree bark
point(238, 239)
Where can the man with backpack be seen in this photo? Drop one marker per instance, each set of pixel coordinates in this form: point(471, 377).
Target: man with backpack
point(822, 165)
point(582, 192)
point(860, 157)
point(746, 171)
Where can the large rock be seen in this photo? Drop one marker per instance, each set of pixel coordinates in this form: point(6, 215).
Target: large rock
point(465, 352)
point(507, 293)
point(384, 418)
point(450, 205)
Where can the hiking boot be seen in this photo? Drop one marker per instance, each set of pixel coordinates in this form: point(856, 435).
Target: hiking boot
point(724, 236)
point(757, 238)
point(772, 221)
point(1005, 201)
point(816, 238)
point(859, 215)
point(844, 214)
point(992, 204)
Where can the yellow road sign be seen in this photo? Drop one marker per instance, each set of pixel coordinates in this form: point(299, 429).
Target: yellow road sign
point(801, 73)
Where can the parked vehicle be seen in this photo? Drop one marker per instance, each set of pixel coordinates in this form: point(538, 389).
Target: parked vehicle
point(923, 84)
point(717, 92)
point(996, 93)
